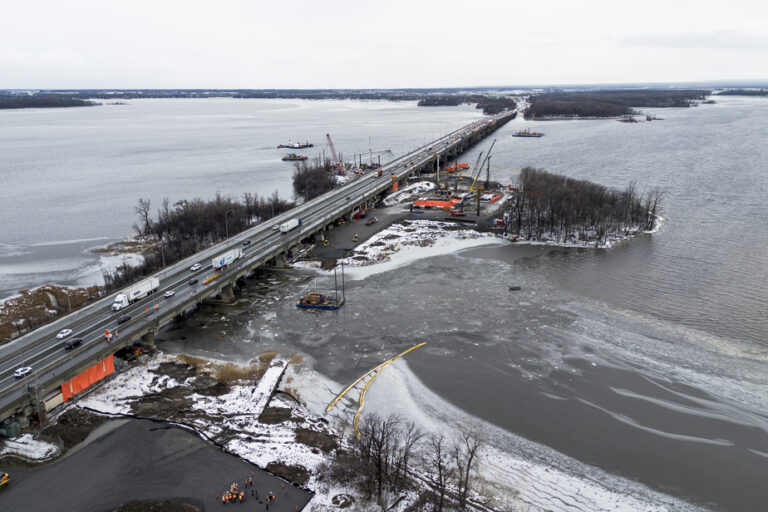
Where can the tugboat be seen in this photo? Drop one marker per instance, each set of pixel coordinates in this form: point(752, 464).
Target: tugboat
point(296, 145)
point(527, 133)
point(317, 300)
point(293, 157)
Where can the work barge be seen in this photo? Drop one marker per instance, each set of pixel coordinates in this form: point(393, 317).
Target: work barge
point(59, 375)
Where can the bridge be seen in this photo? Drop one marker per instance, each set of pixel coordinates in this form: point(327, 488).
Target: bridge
point(53, 366)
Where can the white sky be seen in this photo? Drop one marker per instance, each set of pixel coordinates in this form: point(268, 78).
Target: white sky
point(377, 44)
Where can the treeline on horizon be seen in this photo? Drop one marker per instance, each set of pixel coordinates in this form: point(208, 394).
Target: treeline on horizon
point(743, 92)
point(8, 100)
point(609, 103)
point(548, 205)
point(490, 104)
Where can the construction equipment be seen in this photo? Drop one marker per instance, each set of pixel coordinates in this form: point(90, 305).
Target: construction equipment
point(336, 161)
point(476, 171)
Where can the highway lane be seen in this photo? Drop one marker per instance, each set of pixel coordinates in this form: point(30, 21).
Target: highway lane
point(41, 350)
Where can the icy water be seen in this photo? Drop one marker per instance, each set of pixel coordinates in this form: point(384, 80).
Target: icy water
point(72, 177)
point(640, 368)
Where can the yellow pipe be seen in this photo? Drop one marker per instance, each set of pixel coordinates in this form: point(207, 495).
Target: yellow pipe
point(376, 370)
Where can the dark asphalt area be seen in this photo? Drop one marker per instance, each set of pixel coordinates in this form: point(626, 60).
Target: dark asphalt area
point(340, 237)
point(144, 460)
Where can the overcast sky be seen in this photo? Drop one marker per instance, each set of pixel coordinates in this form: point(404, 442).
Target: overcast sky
point(377, 44)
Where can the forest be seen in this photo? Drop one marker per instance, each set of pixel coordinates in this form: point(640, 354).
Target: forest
point(13, 100)
point(554, 207)
point(743, 92)
point(312, 180)
point(609, 103)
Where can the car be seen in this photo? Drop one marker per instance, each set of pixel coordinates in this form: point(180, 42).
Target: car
point(192, 281)
point(74, 342)
point(21, 372)
point(169, 294)
point(275, 227)
point(63, 334)
point(123, 319)
point(195, 267)
point(247, 242)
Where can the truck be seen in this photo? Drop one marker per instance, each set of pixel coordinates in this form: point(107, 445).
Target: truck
point(135, 292)
point(289, 225)
point(222, 260)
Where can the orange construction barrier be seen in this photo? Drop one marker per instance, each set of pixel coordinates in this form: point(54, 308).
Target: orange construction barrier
point(85, 379)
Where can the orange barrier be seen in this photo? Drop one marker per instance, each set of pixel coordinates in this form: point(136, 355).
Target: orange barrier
point(436, 204)
point(394, 186)
point(86, 378)
point(495, 198)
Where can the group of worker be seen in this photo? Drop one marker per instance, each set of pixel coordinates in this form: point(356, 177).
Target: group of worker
point(239, 494)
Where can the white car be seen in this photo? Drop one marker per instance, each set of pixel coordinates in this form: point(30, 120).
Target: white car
point(195, 267)
point(169, 294)
point(20, 372)
point(275, 227)
point(63, 334)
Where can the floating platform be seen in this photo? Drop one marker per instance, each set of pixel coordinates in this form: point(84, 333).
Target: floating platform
point(315, 300)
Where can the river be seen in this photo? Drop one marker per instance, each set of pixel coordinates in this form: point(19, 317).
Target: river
point(641, 367)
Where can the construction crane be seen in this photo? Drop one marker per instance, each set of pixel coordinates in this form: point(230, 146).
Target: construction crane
point(336, 161)
point(476, 171)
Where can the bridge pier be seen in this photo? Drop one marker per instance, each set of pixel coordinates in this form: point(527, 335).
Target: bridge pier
point(149, 339)
point(228, 293)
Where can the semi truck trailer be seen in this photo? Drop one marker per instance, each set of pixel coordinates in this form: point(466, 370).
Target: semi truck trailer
point(135, 292)
point(222, 260)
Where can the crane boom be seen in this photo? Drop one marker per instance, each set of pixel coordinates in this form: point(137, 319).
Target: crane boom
point(336, 161)
point(479, 169)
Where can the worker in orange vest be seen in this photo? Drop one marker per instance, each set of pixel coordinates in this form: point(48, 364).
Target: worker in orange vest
point(224, 498)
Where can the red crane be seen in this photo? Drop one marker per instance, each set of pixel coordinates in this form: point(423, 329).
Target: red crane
point(336, 161)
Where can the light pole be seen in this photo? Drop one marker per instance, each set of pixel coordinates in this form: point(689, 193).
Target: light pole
point(226, 228)
point(69, 304)
point(162, 247)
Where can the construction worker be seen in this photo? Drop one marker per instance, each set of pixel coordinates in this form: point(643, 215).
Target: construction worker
point(115, 333)
point(242, 496)
point(224, 498)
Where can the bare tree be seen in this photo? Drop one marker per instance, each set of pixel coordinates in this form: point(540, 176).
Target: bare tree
point(465, 451)
point(439, 470)
point(142, 210)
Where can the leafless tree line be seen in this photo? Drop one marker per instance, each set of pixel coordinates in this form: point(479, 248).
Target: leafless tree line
point(392, 457)
point(568, 209)
point(187, 226)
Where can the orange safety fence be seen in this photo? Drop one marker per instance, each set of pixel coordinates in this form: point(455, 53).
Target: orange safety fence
point(394, 186)
point(88, 377)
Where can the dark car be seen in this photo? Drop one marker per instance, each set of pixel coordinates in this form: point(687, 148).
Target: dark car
point(246, 242)
point(123, 319)
point(74, 342)
point(192, 281)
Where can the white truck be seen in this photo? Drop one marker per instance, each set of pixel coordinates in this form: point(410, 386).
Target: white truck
point(135, 292)
point(289, 225)
point(222, 260)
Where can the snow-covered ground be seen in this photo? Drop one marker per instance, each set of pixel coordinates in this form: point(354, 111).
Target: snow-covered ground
point(401, 244)
point(29, 448)
point(407, 192)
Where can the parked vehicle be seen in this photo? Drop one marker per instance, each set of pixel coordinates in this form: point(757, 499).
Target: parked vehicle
point(63, 334)
point(195, 267)
point(289, 225)
point(21, 372)
point(457, 212)
point(222, 260)
point(4, 479)
point(123, 319)
point(135, 292)
point(379, 173)
point(74, 342)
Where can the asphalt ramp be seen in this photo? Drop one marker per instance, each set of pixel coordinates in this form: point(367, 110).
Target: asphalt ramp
point(144, 461)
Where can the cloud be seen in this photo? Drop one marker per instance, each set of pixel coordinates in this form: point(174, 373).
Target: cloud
point(719, 39)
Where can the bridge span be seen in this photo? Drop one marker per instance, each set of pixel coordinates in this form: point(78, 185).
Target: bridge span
point(54, 367)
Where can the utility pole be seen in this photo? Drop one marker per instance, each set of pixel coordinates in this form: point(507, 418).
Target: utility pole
point(437, 156)
point(162, 247)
